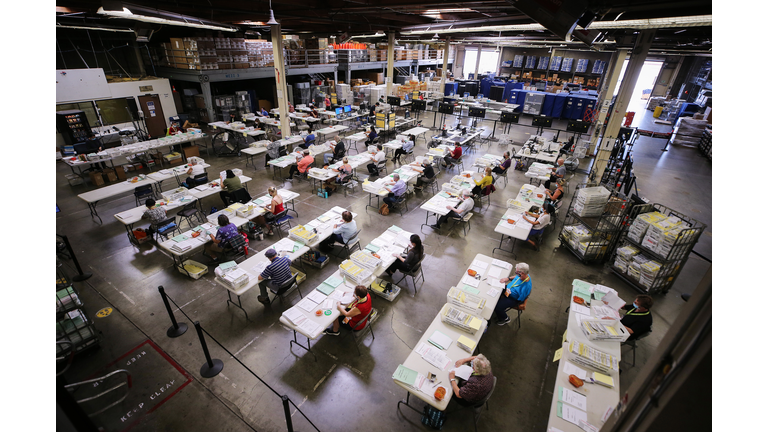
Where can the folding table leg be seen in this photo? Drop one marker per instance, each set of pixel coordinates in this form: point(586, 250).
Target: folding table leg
point(406, 403)
point(308, 347)
point(239, 303)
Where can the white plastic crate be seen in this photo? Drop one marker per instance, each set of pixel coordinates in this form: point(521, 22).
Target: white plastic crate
point(619, 333)
point(194, 269)
point(214, 218)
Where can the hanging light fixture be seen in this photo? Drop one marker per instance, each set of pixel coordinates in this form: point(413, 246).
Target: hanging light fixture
point(271, 15)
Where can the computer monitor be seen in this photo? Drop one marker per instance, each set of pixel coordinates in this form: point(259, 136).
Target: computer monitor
point(419, 105)
point(477, 112)
point(542, 121)
point(393, 100)
point(338, 111)
point(577, 126)
point(445, 108)
point(509, 117)
point(347, 108)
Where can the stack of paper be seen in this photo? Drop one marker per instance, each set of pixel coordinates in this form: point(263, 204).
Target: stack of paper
point(471, 303)
point(591, 248)
point(633, 270)
point(516, 205)
point(184, 245)
point(294, 315)
point(460, 319)
point(466, 344)
point(576, 234)
point(656, 234)
point(440, 340)
point(602, 330)
point(624, 255)
point(354, 273)
point(579, 290)
point(73, 321)
point(602, 379)
point(588, 356)
point(649, 271)
point(366, 260)
point(302, 234)
point(640, 225)
point(236, 278)
point(434, 356)
point(66, 297)
point(591, 201)
point(405, 375)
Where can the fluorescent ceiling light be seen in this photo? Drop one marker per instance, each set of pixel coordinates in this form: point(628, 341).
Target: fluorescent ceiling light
point(378, 34)
point(429, 12)
point(127, 14)
point(672, 22)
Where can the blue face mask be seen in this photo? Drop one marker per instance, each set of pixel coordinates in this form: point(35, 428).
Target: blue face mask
point(635, 305)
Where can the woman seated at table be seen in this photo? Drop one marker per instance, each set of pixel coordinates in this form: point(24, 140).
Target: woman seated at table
point(485, 181)
point(406, 263)
point(504, 166)
point(273, 208)
point(273, 152)
point(425, 168)
point(372, 135)
point(155, 214)
point(557, 195)
point(539, 222)
point(479, 384)
point(228, 186)
point(354, 316)
point(226, 232)
point(407, 147)
point(345, 170)
point(342, 233)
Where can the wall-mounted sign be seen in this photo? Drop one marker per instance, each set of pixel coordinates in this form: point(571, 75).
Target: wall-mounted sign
point(145, 88)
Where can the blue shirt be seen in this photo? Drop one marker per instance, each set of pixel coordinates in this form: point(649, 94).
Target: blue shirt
point(309, 138)
point(279, 270)
point(346, 230)
point(399, 188)
point(372, 135)
point(518, 289)
point(225, 233)
point(408, 145)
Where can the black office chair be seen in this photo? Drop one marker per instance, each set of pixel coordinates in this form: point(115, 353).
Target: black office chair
point(240, 196)
point(166, 228)
point(399, 203)
point(358, 334)
point(281, 219)
point(347, 247)
point(235, 248)
point(142, 193)
point(283, 289)
point(414, 273)
point(632, 343)
point(200, 179)
point(188, 212)
point(478, 408)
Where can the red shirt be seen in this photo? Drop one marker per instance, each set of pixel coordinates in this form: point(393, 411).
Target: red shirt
point(456, 153)
point(364, 308)
point(277, 208)
point(304, 163)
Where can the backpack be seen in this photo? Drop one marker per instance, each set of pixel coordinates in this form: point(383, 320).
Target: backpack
point(384, 209)
point(519, 165)
point(433, 417)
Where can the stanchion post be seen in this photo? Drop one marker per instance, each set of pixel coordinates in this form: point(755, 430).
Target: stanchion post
point(286, 408)
point(80, 275)
point(177, 329)
point(211, 367)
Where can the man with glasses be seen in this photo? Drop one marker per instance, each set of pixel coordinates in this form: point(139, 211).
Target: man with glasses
point(515, 292)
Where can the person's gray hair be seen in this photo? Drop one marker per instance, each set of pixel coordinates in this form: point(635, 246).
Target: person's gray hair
point(523, 267)
point(396, 176)
point(466, 192)
point(481, 365)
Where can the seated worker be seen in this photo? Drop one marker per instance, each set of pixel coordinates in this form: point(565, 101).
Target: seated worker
point(406, 263)
point(479, 384)
point(155, 214)
point(342, 232)
point(396, 190)
point(376, 157)
point(453, 157)
point(327, 103)
point(539, 222)
point(94, 145)
point(353, 317)
point(225, 232)
point(174, 128)
point(291, 109)
point(504, 166)
point(425, 168)
point(302, 164)
point(338, 151)
point(278, 271)
point(638, 319)
point(407, 147)
point(559, 172)
point(345, 170)
point(371, 135)
point(274, 207)
point(485, 181)
point(466, 203)
point(264, 112)
point(273, 152)
point(194, 170)
point(229, 185)
point(373, 110)
point(517, 290)
point(557, 195)
point(308, 141)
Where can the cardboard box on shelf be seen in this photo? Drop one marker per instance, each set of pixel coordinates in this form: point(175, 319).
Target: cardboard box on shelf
point(177, 43)
point(96, 178)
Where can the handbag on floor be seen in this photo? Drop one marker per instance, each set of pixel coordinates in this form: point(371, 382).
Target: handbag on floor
point(384, 209)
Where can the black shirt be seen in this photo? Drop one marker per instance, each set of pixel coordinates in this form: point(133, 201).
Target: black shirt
point(429, 172)
point(639, 322)
point(93, 145)
point(339, 150)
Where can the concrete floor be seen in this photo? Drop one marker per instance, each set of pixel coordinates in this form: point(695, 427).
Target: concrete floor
point(342, 387)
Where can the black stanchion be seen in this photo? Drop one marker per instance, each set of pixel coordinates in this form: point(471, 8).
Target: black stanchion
point(211, 367)
point(177, 329)
point(80, 275)
point(286, 409)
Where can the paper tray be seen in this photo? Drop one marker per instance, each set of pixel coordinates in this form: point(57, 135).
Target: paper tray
point(621, 332)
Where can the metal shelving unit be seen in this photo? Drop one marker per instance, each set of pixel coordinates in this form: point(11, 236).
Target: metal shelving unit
point(72, 322)
point(661, 269)
point(705, 144)
point(592, 237)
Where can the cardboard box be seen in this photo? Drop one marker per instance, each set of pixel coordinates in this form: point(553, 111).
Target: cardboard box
point(176, 162)
point(109, 175)
point(120, 172)
point(177, 44)
point(96, 178)
point(191, 151)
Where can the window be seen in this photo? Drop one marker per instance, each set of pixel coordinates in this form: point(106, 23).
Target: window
point(489, 62)
point(470, 60)
point(90, 112)
point(114, 111)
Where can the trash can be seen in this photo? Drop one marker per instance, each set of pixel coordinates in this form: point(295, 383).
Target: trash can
point(657, 112)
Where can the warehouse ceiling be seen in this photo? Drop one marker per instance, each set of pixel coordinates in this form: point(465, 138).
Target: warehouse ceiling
point(594, 24)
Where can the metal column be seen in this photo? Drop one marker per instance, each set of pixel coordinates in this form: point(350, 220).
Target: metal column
point(477, 62)
point(390, 61)
point(205, 87)
point(446, 50)
point(606, 93)
point(639, 54)
point(348, 73)
point(282, 91)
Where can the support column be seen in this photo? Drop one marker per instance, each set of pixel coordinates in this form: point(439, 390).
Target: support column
point(348, 74)
point(390, 61)
point(282, 91)
point(205, 87)
point(639, 54)
point(446, 50)
point(139, 60)
point(606, 94)
point(477, 62)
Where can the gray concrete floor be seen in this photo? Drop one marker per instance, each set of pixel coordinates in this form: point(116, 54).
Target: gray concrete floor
point(341, 387)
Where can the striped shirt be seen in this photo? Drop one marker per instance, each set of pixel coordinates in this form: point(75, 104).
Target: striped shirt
point(279, 270)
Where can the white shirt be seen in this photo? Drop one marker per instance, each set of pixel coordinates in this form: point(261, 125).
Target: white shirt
point(467, 204)
point(379, 156)
point(543, 220)
point(196, 170)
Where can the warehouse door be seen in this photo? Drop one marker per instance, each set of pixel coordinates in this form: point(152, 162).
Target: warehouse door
point(153, 115)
